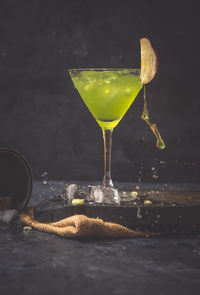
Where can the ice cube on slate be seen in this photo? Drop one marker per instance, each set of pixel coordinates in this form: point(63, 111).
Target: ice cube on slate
point(106, 195)
point(74, 191)
point(69, 192)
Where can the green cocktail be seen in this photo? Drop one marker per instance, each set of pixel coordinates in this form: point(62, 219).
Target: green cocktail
point(108, 94)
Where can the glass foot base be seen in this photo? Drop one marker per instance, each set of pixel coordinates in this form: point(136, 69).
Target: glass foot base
point(107, 182)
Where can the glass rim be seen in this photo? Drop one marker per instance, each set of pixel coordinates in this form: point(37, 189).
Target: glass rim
point(102, 69)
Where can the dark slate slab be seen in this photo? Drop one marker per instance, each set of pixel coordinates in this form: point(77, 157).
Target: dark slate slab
point(167, 211)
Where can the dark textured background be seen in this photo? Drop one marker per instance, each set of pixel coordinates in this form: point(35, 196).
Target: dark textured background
point(43, 117)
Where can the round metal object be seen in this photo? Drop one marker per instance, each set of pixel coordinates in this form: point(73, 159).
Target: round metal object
point(15, 180)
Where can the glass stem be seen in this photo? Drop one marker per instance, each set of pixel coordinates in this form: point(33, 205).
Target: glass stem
point(107, 137)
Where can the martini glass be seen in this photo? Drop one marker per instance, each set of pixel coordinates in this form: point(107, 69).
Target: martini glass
point(108, 94)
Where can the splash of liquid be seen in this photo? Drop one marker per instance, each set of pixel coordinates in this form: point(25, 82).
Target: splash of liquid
point(44, 177)
point(145, 116)
point(139, 213)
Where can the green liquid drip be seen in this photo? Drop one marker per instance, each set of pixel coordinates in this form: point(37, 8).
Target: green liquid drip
point(145, 116)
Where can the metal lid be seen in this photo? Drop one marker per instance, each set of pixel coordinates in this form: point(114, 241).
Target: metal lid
point(15, 180)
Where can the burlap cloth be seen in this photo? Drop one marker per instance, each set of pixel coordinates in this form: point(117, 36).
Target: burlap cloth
point(81, 226)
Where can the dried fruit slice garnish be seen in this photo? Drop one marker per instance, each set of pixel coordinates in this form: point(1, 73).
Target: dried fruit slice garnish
point(149, 61)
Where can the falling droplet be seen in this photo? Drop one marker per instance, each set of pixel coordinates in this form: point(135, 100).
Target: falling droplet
point(140, 175)
point(145, 116)
point(44, 176)
point(139, 213)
